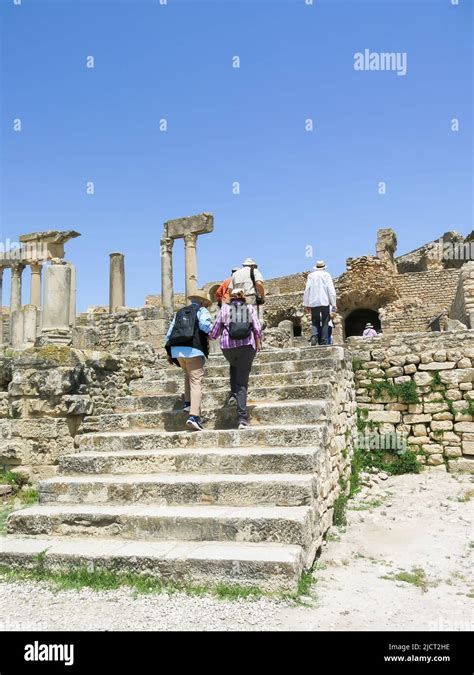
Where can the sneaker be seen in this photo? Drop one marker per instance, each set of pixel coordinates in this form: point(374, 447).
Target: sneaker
point(314, 341)
point(186, 406)
point(243, 424)
point(232, 400)
point(194, 423)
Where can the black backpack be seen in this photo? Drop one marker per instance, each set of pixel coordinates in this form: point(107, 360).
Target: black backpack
point(240, 324)
point(184, 327)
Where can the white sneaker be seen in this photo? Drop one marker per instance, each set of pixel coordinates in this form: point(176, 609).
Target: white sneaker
point(244, 425)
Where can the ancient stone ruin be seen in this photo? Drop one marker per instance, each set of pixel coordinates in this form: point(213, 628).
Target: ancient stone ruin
point(90, 412)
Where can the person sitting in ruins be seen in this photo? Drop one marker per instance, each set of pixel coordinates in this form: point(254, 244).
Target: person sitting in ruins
point(223, 292)
point(369, 330)
point(241, 337)
point(187, 344)
point(318, 297)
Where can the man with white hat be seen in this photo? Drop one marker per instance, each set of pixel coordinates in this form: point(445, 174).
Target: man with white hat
point(319, 296)
point(187, 344)
point(250, 279)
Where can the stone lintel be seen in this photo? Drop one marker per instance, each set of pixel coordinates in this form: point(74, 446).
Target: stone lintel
point(178, 228)
point(49, 236)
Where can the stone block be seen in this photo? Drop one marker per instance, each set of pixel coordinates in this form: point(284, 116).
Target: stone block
point(467, 447)
point(385, 416)
point(435, 460)
point(441, 416)
point(433, 448)
point(441, 426)
point(464, 363)
point(435, 407)
point(461, 427)
point(452, 451)
point(436, 365)
point(453, 378)
point(416, 419)
point(422, 379)
point(394, 372)
point(402, 379)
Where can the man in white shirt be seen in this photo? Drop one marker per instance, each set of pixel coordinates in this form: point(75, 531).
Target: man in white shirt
point(242, 278)
point(318, 297)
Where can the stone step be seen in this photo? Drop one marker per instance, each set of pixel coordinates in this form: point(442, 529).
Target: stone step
point(269, 566)
point(147, 394)
point(221, 368)
point(228, 461)
point(181, 489)
point(320, 365)
point(282, 524)
point(263, 436)
point(290, 354)
point(175, 383)
point(306, 353)
point(223, 418)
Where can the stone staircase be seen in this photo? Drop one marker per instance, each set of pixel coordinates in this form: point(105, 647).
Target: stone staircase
point(246, 507)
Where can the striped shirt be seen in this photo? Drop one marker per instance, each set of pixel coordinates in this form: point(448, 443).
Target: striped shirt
point(221, 327)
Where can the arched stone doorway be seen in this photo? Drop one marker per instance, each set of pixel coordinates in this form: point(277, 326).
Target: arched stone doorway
point(354, 323)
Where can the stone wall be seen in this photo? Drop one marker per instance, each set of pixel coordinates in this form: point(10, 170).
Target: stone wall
point(179, 300)
point(46, 393)
point(422, 295)
point(420, 386)
point(117, 331)
point(334, 468)
point(292, 283)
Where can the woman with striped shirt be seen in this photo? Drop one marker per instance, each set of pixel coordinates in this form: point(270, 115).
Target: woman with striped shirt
point(234, 319)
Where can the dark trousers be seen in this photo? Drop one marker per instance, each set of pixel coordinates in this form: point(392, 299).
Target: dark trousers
point(320, 321)
point(240, 360)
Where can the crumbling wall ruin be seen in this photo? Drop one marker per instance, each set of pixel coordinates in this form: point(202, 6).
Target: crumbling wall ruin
point(46, 393)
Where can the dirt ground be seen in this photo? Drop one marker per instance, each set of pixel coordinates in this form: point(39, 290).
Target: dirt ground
point(402, 562)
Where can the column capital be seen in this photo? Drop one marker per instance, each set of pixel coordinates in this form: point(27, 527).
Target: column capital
point(35, 267)
point(17, 268)
point(166, 244)
point(190, 239)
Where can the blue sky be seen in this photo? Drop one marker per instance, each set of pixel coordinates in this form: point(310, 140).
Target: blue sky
point(297, 188)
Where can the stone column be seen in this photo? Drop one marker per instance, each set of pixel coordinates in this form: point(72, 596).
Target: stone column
point(116, 281)
point(190, 261)
point(72, 300)
point(15, 291)
point(35, 288)
point(29, 325)
point(167, 272)
point(1, 305)
point(57, 297)
point(16, 328)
